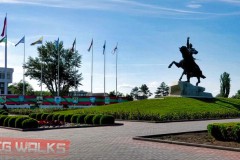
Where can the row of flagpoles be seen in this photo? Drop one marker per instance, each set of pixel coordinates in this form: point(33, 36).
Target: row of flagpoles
point(39, 41)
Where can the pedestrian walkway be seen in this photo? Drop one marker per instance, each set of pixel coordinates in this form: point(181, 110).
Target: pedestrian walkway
point(115, 142)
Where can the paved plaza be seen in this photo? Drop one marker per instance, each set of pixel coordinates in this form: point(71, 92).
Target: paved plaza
point(115, 142)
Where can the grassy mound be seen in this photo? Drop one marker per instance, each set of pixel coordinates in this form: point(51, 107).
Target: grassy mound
point(168, 109)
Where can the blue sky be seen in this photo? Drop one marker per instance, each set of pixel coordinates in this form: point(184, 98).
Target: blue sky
point(148, 32)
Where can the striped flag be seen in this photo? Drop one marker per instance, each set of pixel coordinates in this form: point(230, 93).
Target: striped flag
point(38, 41)
point(3, 39)
point(104, 47)
point(21, 41)
point(73, 45)
point(4, 27)
point(115, 49)
point(90, 47)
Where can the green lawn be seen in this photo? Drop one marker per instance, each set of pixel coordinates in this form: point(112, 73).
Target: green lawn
point(169, 108)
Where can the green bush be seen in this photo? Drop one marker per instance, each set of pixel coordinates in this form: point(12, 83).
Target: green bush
point(39, 116)
point(89, 119)
point(30, 123)
point(5, 122)
point(67, 118)
point(4, 113)
point(55, 117)
point(80, 118)
point(225, 131)
point(19, 120)
point(2, 118)
point(61, 117)
point(11, 121)
point(74, 118)
point(107, 119)
point(96, 119)
point(44, 116)
point(1, 111)
point(49, 117)
point(33, 115)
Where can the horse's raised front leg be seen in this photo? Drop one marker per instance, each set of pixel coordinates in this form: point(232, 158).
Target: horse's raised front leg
point(176, 64)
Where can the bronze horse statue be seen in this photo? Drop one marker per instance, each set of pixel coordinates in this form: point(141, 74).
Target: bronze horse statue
point(190, 68)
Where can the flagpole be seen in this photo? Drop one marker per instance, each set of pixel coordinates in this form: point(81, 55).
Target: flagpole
point(5, 70)
point(24, 68)
point(116, 70)
point(75, 69)
point(104, 67)
point(92, 72)
point(58, 71)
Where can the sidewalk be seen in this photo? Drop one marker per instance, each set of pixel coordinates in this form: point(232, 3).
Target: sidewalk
point(110, 143)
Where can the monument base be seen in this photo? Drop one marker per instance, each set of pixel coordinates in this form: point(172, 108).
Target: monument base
point(186, 89)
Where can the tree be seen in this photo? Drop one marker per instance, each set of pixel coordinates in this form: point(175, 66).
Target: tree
point(17, 88)
point(48, 58)
point(113, 94)
point(144, 91)
point(134, 92)
point(162, 90)
point(224, 84)
point(237, 95)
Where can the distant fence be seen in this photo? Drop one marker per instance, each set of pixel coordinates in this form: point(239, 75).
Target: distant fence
point(64, 100)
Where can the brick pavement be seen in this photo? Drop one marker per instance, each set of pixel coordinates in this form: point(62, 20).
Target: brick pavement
point(109, 143)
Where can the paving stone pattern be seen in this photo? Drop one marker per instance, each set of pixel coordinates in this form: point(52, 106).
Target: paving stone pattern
point(115, 142)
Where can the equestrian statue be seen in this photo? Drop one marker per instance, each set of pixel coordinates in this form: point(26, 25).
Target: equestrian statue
point(188, 64)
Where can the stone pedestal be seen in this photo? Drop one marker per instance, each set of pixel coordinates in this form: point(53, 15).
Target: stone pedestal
point(188, 90)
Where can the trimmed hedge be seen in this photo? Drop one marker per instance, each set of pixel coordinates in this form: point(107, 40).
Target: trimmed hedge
point(44, 116)
point(61, 117)
point(74, 118)
point(33, 115)
point(11, 121)
point(39, 116)
point(96, 119)
point(80, 118)
point(55, 117)
point(5, 122)
point(67, 118)
point(107, 119)
point(19, 120)
point(4, 113)
point(225, 131)
point(2, 118)
point(30, 123)
point(49, 117)
point(89, 119)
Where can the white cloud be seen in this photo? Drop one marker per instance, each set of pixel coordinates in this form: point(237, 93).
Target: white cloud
point(126, 86)
point(153, 84)
point(194, 6)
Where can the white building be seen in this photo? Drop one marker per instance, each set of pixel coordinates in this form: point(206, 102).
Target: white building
point(2, 78)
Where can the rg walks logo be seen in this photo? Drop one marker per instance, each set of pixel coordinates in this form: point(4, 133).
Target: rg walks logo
point(33, 147)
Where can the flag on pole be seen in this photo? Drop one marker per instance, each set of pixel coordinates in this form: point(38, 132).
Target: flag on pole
point(38, 41)
point(115, 49)
point(56, 43)
point(3, 39)
point(104, 47)
point(73, 45)
point(90, 47)
point(4, 27)
point(21, 41)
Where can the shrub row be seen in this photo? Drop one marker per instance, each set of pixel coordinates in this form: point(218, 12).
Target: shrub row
point(18, 121)
point(3, 112)
point(225, 131)
point(74, 118)
point(174, 116)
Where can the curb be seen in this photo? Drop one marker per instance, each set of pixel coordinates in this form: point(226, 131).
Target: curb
point(53, 128)
point(150, 138)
